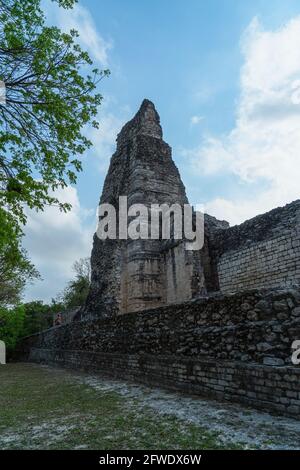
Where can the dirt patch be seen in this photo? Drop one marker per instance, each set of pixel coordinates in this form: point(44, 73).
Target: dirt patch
point(233, 423)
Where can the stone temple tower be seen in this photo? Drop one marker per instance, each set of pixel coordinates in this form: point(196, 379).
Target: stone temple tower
point(133, 275)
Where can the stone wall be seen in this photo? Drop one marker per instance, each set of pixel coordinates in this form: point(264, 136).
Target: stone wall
point(261, 252)
point(274, 389)
point(235, 347)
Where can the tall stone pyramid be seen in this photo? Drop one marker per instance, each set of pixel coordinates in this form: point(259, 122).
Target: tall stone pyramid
point(133, 275)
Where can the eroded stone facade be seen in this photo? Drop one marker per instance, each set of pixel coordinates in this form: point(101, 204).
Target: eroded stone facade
point(133, 275)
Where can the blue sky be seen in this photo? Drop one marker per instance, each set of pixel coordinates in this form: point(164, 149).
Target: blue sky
point(186, 58)
point(224, 76)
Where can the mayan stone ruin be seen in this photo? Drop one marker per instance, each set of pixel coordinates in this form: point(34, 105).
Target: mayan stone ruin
point(218, 322)
point(134, 275)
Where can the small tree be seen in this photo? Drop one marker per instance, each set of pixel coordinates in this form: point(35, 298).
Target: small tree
point(15, 267)
point(39, 316)
point(82, 268)
point(75, 294)
point(11, 325)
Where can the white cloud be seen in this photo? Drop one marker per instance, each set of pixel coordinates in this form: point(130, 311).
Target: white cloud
point(205, 94)
point(265, 142)
point(196, 120)
point(80, 19)
point(104, 138)
point(55, 240)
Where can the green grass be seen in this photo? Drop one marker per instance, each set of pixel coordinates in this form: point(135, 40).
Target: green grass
point(43, 408)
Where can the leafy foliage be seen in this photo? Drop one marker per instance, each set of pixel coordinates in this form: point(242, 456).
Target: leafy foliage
point(75, 294)
point(11, 325)
point(15, 267)
point(48, 102)
point(39, 316)
point(26, 319)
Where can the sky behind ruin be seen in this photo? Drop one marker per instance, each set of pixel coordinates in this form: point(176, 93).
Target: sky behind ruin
point(225, 79)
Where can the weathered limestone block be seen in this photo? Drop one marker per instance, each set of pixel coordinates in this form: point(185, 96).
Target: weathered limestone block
point(262, 252)
point(133, 275)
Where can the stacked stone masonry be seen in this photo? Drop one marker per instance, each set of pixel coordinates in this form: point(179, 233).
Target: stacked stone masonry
point(233, 347)
point(262, 252)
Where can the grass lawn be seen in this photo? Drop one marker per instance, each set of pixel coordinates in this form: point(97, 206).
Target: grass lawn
point(43, 408)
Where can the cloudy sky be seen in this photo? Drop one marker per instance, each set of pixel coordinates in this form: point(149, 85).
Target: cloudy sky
point(225, 78)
